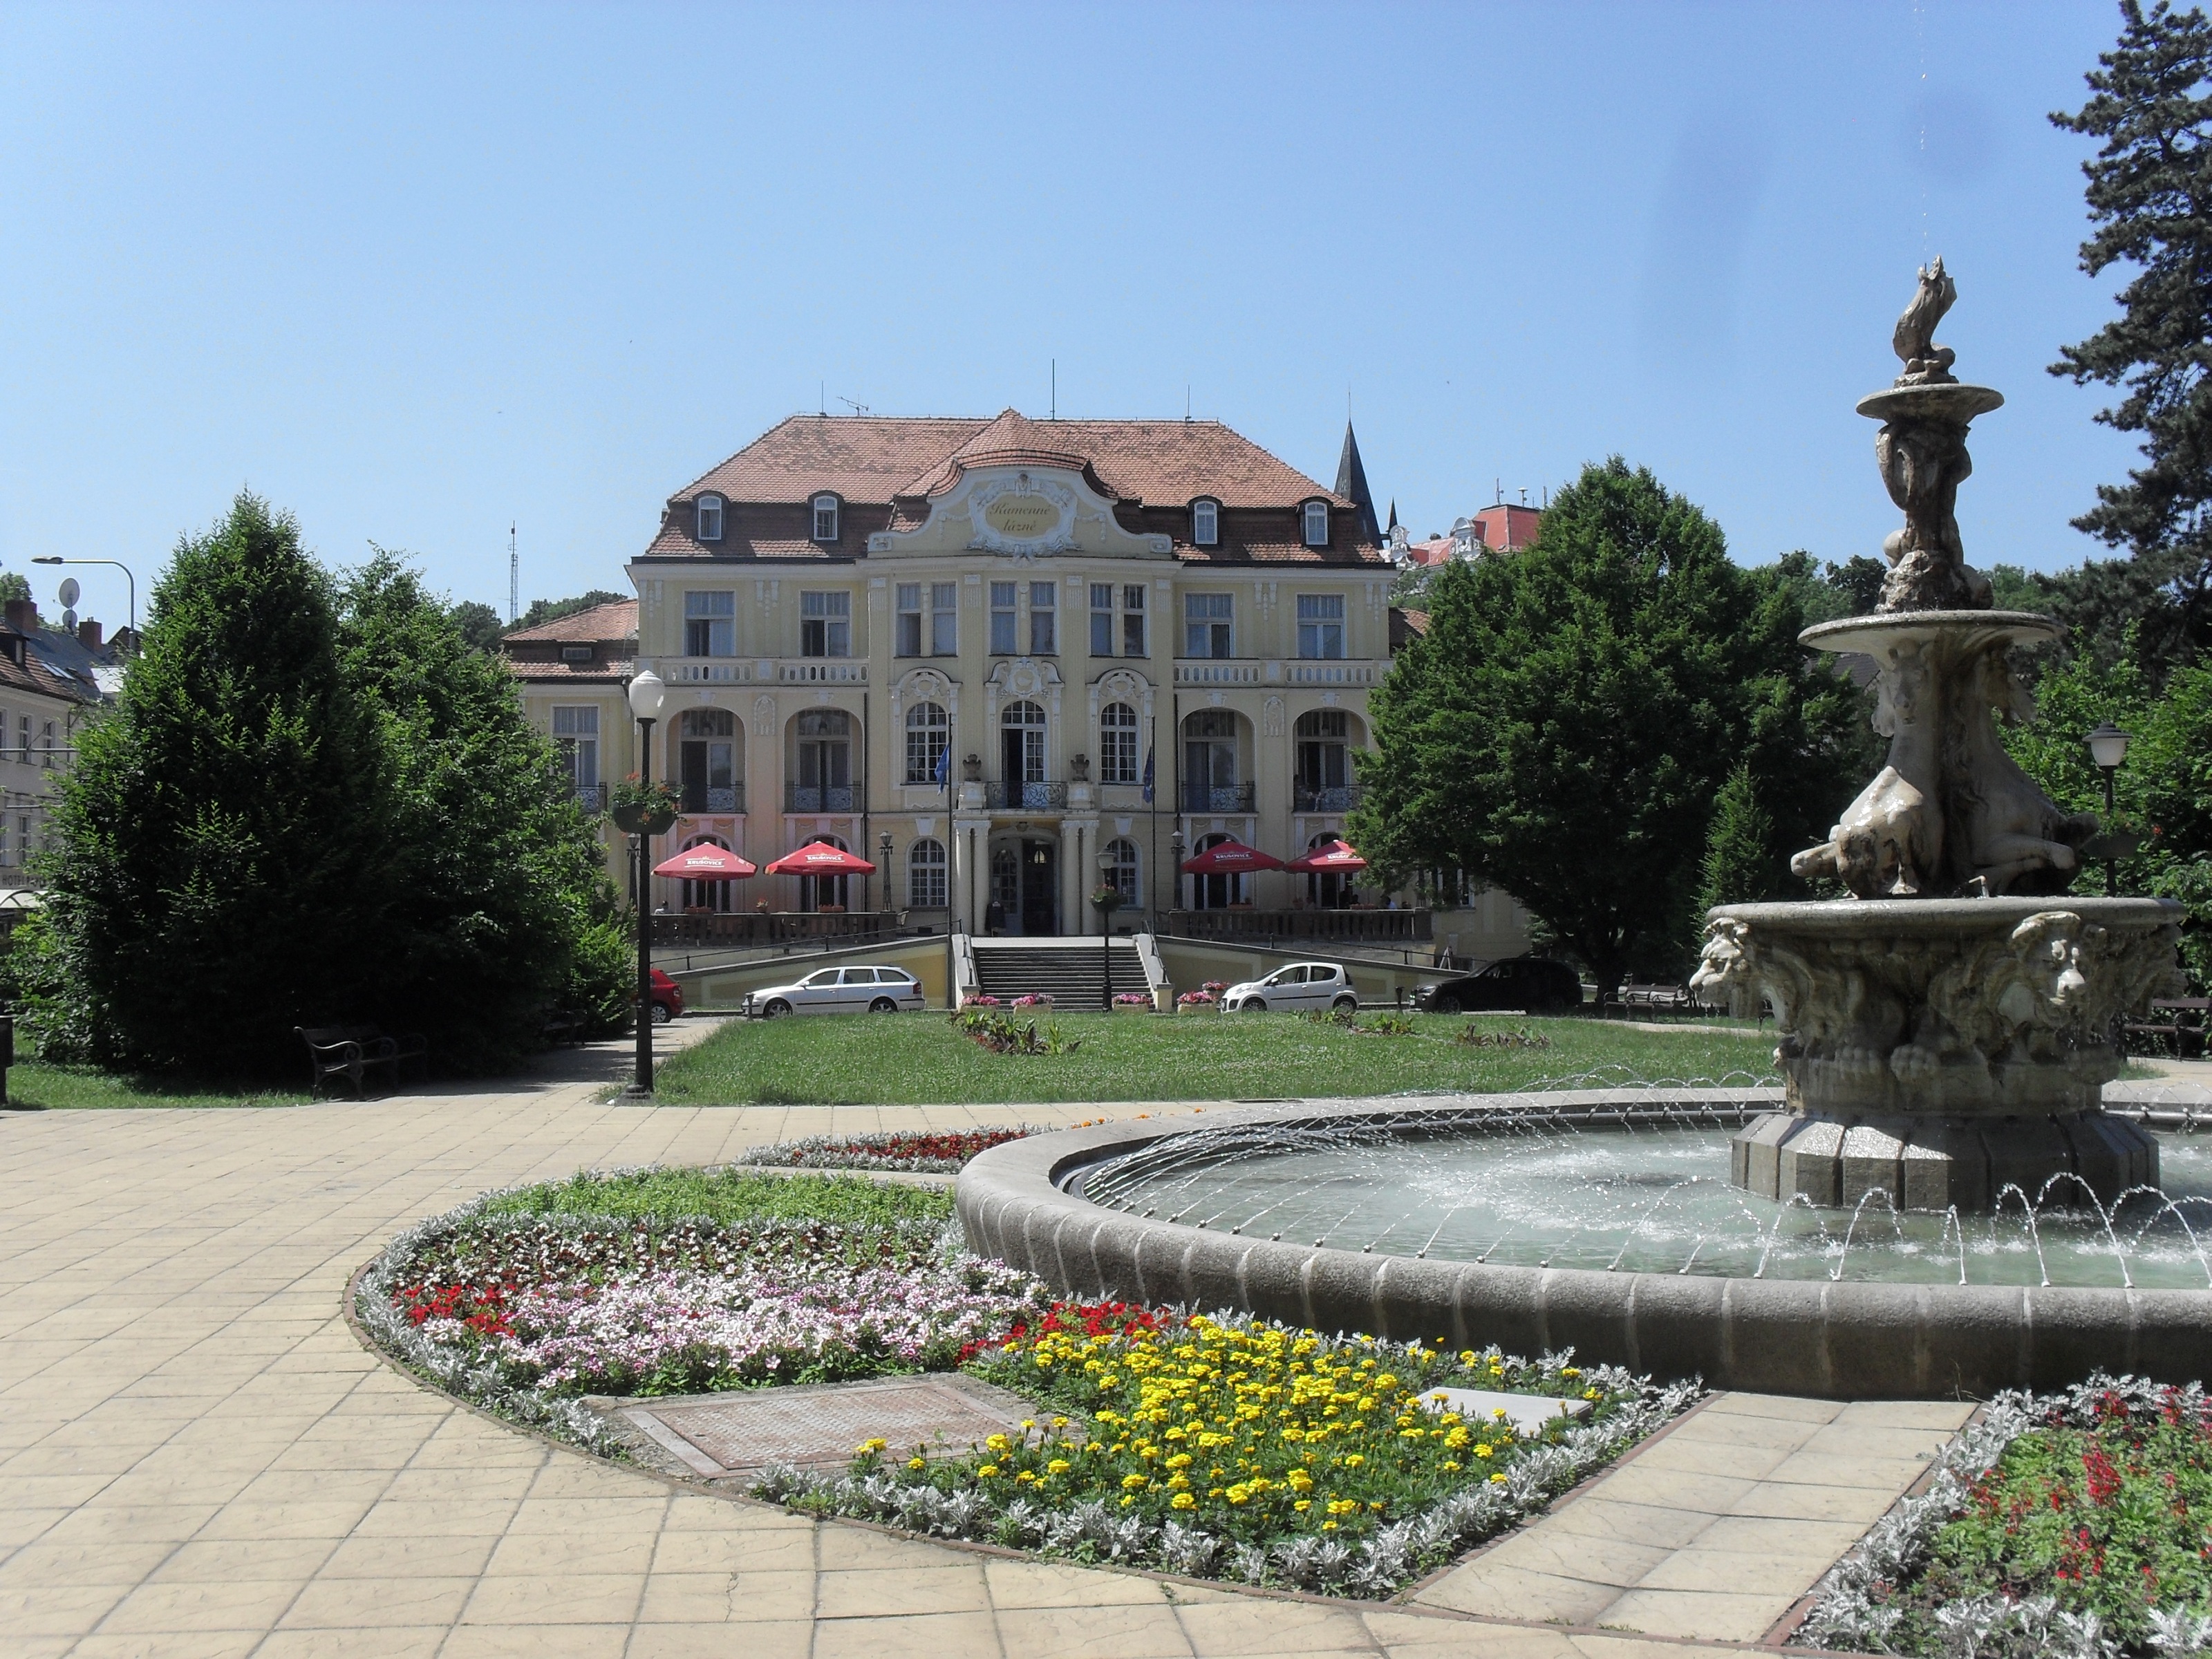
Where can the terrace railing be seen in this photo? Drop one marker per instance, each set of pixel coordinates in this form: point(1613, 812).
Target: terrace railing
point(1250, 926)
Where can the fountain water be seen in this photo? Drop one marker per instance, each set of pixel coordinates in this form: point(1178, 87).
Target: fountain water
point(1941, 1201)
point(1947, 1029)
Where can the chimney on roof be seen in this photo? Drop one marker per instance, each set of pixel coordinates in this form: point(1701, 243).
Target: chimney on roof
point(87, 634)
point(23, 616)
point(1352, 484)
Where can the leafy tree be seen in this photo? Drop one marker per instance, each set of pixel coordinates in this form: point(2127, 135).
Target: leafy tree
point(546, 611)
point(1563, 729)
point(2164, 791)
point(1741, 866)
point(214, 878)
point(492, 865)
point(479, 624)
point(2150, 198)
point(13, 585)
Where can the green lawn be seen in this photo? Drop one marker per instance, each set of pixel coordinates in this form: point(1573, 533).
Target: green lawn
point(918, 1059)
point(33, 1084)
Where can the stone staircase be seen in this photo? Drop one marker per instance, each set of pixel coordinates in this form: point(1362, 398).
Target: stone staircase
point(1066, 970)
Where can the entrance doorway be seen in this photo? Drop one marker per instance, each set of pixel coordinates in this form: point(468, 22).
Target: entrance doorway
point(1040, 888)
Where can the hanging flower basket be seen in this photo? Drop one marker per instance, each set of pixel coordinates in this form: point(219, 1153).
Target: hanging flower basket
point(643, 809)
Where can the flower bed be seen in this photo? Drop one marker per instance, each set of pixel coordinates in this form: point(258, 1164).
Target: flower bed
point(1231, 1446)
point(942, 1153)
point(524, 1313)
point(2072, 1524)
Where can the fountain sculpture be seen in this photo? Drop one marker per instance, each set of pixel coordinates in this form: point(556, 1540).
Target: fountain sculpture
point(1947, 1035)
point(1947, 1029)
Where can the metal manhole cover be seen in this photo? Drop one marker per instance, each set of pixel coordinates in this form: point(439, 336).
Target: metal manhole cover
point(733, 1433)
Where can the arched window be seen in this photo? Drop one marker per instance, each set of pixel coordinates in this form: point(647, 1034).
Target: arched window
point(718, 897)
point(925, 887)
point(1022, 732)
point(1315, 518)
point(1205, 522)
point(1117, 743)
point(928, 732)
point(707, 766)
point(824, 782)
point(1215, 892)
point(1324, 773)
point(710, 518)
point(1122, 875)
point(825, 518)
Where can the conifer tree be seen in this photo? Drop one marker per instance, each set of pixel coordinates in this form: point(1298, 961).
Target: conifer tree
point(213, 876)
point(1740, 866)
point(2150, 199)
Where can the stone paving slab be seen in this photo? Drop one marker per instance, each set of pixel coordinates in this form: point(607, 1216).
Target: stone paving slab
point(1718, 1527)
point(198, 1459)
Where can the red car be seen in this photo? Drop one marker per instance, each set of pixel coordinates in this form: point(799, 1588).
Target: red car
point(667, 998)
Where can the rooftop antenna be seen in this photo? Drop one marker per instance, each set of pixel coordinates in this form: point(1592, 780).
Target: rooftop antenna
point(1055, 390)
point(821, 396)
point(858, 409)
point(513, 580)
point(1499, 485)
point(1524, 495)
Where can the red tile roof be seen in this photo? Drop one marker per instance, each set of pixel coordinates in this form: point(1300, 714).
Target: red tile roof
point(874, 457)
point(615, 620)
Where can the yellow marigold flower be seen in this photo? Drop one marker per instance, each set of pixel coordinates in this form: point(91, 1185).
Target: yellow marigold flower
point(1497, 1479)
point(1180, 1461)
point(1386, 1381)
point(1303, 1505)
point(1058, 1465)
point(1590, 1394)
point(1468, 1357)
point(999, 1443)
point(917, 1462)
point(1328, 1526)
point(1178, 1483)
point(1499, 1411)
point(1135, 1482)
point(1450, 1468)
point(1485, 1449)
point(988, 1470)
point(1456, 1437)
point(1412, 1434)
point(1569, 1371)
point(1026, 1475)
point(868, 1448)
point(1060, 1422)
point(1240, 1494)
point(1182, 1500)
point(1355, 1460)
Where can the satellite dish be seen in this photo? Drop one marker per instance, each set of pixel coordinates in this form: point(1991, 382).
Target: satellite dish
point(69, 592)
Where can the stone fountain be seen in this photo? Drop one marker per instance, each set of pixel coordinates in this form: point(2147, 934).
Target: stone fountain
point(1948, 1029)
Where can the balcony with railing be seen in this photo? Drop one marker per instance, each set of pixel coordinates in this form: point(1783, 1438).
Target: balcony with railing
point(1229, 798)
point(1278, 671)
point(699, 798)
point(768, 671)
point(800, 797)
point(1005, 795)
point(1341, 798)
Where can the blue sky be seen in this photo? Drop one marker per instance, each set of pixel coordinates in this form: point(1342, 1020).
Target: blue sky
point(415, 273)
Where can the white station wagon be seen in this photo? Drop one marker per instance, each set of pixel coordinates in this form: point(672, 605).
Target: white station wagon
point(1301, 986)
point(840, 991)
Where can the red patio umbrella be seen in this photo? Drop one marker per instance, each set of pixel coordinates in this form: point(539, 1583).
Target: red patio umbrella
point(1229, 858)
point(819, 858)
point(706, 862)
point(1331, 857)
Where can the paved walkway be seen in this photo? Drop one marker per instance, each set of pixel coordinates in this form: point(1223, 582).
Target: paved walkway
point(198, 1458)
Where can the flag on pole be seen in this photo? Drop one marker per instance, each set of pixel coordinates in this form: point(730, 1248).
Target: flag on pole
point(1148, 777)
point(945, 763)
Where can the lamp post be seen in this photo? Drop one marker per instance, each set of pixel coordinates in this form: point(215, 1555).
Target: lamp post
point(56, 558)
point(884, 863)
point(1174, 857)
point(1109, 900)
point(2108, 747)
point(646, 693)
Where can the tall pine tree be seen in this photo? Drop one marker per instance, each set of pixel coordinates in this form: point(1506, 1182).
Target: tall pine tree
point(2150, 199)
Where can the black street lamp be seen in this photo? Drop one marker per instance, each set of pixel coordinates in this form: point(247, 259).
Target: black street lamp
point(884, 863)
point(56, 558)
point(1108, 898)
point(2108, 748)
point(647, 693)
point(1174, 854)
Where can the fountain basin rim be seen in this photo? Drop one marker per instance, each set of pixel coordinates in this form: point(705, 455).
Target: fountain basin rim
point(1874, 631)
point(1823, 1339)
point(1931, 400)
point(1944, 917)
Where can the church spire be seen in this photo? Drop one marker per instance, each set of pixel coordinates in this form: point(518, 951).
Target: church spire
point(1352, 484)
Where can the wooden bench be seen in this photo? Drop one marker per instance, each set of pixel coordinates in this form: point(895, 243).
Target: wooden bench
point(567, 1025)
point(2176, 1025)
point(351, 1051)
point(1656, 999)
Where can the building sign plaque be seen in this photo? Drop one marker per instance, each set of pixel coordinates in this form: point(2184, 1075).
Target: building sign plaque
point(1023, 518)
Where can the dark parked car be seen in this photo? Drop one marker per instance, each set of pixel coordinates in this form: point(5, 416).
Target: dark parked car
point(1529, 983)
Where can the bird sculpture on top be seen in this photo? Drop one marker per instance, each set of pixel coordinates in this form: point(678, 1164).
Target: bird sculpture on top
point(1925, 363)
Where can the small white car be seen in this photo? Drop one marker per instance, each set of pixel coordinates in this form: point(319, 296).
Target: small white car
point(840, 991)
point(1301, 986)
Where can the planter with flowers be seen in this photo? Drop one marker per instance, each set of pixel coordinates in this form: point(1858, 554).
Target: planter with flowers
point(1132, 1002)
point(1204, 1000)
point(639, 808)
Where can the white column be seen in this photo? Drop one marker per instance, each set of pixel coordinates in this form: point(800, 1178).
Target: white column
point(1078, 847)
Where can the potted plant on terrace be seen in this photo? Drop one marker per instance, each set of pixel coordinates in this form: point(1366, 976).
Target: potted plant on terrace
point(639, 808)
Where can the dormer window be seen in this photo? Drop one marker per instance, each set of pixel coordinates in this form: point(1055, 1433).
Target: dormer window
point(825, 518)
point(1316, 518)
point(577, 653)
point(1205, 523)
point(710, 518)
